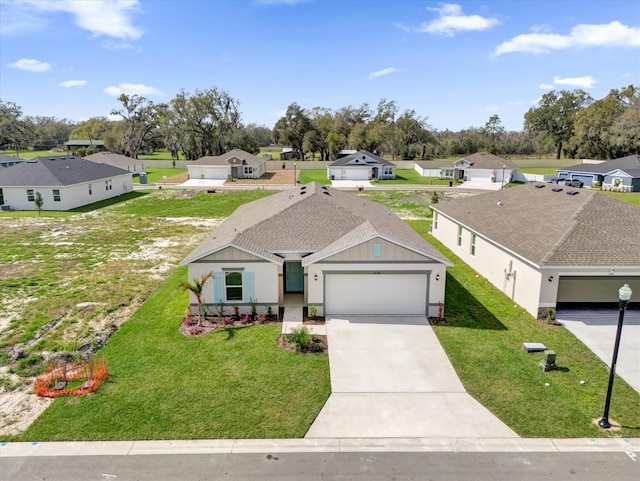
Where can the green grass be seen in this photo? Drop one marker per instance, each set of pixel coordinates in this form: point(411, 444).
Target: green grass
point(483, 339)
point(160, 155)
point(410, 176)
point(232, 383)
point(30, 154)
point(538, 170)
point(155, 174)
point(630, 197)
point(313, 175)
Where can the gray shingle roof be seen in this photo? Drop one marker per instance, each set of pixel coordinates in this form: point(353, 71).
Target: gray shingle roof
point(245, 158)
point(629, 164)
point(321, 221)
point(350, 158)
point(56, 171)
point(485, 160)
point(112, 159)
point(552, 228)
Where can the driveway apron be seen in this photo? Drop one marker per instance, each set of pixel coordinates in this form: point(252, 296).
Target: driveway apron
point(390, 377)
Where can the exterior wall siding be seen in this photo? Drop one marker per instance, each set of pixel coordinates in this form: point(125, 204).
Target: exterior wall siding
point(388, 252)
point(231, 254)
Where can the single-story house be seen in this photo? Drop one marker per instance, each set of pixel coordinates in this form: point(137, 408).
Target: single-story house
point(9, 160)
point(236, 164)
point(117, 160)
point(622, 175)
point(73, 145)
point(362, 165)
point(544, 245)
point(343, 253)
point(484, 167)
point(435, 168)
point(289, 154)
point(64, 182)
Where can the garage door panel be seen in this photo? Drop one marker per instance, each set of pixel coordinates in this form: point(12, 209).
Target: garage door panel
point(376, 294)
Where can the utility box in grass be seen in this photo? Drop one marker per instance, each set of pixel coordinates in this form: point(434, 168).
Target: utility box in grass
point(548, 362)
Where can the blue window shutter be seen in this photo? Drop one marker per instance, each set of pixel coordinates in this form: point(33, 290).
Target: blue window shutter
point(247, 284)
point(218, 287)
point(377, 249)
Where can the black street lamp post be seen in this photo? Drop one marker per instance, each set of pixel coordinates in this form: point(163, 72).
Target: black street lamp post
point(624, 294)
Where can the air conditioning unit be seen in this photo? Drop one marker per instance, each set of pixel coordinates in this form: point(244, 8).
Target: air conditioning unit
point(5, 207)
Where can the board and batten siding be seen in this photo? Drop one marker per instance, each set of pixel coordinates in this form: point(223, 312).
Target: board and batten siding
point(230, 254)
point(387, 251)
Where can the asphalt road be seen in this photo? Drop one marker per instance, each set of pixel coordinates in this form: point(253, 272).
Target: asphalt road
point(511, 466)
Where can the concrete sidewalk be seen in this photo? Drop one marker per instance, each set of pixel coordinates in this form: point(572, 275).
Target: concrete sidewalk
point(390, 378)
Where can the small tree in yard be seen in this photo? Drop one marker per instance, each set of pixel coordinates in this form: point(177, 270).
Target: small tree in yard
point(38, 202)
point(196, 287)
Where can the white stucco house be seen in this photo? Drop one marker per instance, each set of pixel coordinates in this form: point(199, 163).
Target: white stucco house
point(484, 167)
point(64, 182)
point(344, 254)
point(236, 164)
point(546, 245)
point(117, 160)
point(361, 165)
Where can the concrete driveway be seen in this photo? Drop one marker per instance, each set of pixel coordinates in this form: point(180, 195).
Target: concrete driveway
point(390, 378)
point(597, 327)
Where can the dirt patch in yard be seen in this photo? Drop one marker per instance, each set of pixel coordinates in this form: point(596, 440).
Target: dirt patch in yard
point(270, 177)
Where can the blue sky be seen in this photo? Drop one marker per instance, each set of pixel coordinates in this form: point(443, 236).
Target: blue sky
point(456, 63)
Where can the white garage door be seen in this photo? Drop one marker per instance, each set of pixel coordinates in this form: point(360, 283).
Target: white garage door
point(356, 174)
point(400, 294)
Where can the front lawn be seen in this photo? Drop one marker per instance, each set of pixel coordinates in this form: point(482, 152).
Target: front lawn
point(155, 174)
point(410, 176)
point(313, 175)
point(232, 383)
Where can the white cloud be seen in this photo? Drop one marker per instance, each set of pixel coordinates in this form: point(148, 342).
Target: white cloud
point(112, 18)
point(72, 83)
point(546, 86)
point(111, 45)
point(517, 102)
point(613, 34)
point(385, 71)
point(451, 20)
point(491, 108)
point(583, 82)
point(133, 89)
point(31, 64)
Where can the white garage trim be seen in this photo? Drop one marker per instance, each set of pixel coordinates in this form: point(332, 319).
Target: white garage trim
point(376, 292)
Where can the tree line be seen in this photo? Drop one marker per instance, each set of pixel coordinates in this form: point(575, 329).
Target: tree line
point(208, 122)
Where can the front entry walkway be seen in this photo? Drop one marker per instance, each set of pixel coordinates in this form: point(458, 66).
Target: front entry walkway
point(390, 378)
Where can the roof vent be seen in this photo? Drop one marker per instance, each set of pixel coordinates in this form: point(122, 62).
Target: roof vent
point(557, 189)
point(303, 192)
point(52, 158)
point(572, 192)
point(324, 187)
point(326, 192)
point(303, 187)
point(540, 186)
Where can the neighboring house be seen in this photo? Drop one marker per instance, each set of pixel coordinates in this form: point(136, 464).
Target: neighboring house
point(545, 244)
point(9, 160)
point(343, 253)
point(73, 145)
point(289, 154)
point(435, 168)
point(622, 175)
point(345, 152)
point(361, 165)
point(64, 183)
point(484, 167)
point(117, 160)
point(236, 164)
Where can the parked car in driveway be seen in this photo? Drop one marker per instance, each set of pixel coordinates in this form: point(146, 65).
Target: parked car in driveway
point(573, 183)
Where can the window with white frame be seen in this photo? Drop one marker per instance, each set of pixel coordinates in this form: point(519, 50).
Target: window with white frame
point(106, 185)
point(90, 189)
point(473, 244)
point(110, 185)
point(30, 195)
point(248, 170)
point(435, 220)
point(233, 285)
point(56, 195)
point(459, 235)
point(1, 197)
point(388, 170)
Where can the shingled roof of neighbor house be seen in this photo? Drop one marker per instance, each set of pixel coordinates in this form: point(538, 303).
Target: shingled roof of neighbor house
point(245, 158)
point(629, 164)
point(112, 159)
point(485, 160)
point(312, 219)
point(56, 171)
point(551, 225)
point(347, 160)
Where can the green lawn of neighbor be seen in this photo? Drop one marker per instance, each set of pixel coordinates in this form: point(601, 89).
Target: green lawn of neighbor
point(154, 174)
point(313, 175)
point(537, 170)
point(410, 176)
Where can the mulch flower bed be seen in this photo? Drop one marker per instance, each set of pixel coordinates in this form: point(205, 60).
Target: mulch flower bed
point(318, 345)
point(437, 321)
point(189, 325)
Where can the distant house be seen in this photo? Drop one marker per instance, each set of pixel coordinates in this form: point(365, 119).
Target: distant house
point(435, 168)
point(362, 165)
point(343, 253)
point(622, 175)
point(345, 152)
point(9, 160)
point(64, 182)
point(236, 164)
point(117, 160)
point(545, 245)
point(289, 154)
point(73, 145)
point(484, 167)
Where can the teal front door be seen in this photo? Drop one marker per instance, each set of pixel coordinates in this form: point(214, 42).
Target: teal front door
point(294, 277)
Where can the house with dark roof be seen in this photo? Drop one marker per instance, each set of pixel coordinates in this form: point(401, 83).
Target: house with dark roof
point(361, 165)
point(9, 160)
point(484, 167)
point(122, 161)
point(620, 175)
point(73, 145)
point(236, 164)
point(545, 245)
point(335, 250)
point(65, 182)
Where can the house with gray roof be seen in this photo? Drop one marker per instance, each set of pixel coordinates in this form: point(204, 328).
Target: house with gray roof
point(73, 145)
point(122, 161)
point(621, 175)
point(9, 160)
point(361, 165)
point(545, 245)
point(335, 250)
point(236, 164)
point(484, 167)
point(65, 182)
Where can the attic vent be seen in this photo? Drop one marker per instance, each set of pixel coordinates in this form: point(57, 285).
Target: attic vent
point(52, 158)
point(304, 187)
point(540, 186)
point(303, 192)
point(557, 189)
point(363, 157)
point(326, 192)
point(572, 192)
point(324, 187)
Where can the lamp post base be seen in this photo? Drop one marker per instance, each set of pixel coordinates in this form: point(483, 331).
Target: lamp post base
point(604, 423)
